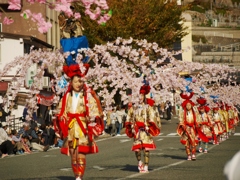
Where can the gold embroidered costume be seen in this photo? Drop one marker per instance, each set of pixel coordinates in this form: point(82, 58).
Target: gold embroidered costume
point(143, 126)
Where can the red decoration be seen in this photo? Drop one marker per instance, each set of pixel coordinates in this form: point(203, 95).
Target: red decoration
point(201, 101)
point(74, 70)
point(150, 102)
point(206, 108)
point(187, 97)
point(145, 89)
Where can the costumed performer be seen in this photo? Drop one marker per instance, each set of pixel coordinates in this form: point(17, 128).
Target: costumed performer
point(217, 120)
point(80, 119)
point(188, 128)
point(231, 121)
point(140, 125)
point(206, 126)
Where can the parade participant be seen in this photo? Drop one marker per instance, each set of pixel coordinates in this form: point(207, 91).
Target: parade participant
point(217, 119)
point(225, 122)
point(206, 126)
point(141, 127)
point(80, 119)
point(231, 121)
point(236, 117)
point(188, 127)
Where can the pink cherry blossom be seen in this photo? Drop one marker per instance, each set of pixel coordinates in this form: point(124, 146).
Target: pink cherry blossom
point(119, 65)
point(98, 13)
point(14, 4)
point(7, 20)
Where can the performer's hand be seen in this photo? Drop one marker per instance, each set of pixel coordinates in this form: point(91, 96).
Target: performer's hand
point(183, 127)
point(147, 128)
point(60, 118)
point(87, 118)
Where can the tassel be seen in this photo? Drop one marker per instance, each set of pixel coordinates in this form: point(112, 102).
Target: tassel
point(74, 143)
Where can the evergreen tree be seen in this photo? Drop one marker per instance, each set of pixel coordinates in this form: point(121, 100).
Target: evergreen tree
point(140, 19)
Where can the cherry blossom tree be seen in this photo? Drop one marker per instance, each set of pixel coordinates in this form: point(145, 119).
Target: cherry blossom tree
point(119, 65)
point(125, 64)
point(95, 9)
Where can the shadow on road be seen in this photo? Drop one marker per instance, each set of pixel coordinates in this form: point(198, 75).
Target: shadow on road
point(174, 157)
point(130, 168)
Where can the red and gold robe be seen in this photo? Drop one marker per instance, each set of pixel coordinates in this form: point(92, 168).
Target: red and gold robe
point(80, 121)
point(141, 125)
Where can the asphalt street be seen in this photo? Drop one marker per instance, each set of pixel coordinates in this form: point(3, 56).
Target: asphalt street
point(116, 161)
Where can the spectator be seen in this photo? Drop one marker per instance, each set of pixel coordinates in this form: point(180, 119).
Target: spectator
point(162, 110)
point(48, 115)
point(6, 143)
point(48, 134)
point(168, 107)
point(120, 113)
point(25, 113)
point(23, 130)
point(35, 137)
point(18, 146)
point(108, 122)
point(26, 144)
point(113, 117)
point(3, 113)
point(58, 141)
point(105, 117)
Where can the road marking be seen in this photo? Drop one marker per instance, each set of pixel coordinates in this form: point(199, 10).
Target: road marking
point(172, 134)
point(98, 167)
point(159, 139)
point(124, 140)
point(156, 153)
point(50, 156)
point(66, 169)
point(160, 168)
point(236, 134)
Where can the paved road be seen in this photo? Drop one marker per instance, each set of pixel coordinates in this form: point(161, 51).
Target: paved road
point(115, 161)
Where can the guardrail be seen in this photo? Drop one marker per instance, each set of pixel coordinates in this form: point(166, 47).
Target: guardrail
point(14, 123)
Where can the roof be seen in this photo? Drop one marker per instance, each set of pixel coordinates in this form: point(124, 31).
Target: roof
point(27, 39)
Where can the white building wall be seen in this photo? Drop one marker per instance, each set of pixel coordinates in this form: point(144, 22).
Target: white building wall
point(9, 49)
point(187, 40)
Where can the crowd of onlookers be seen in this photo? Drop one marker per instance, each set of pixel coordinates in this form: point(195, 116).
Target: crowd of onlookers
point(115, 118)
point(41, 137)
point(31, 137)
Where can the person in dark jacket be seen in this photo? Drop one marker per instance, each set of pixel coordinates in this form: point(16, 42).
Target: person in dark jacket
point(3, 113)
point(168, 108)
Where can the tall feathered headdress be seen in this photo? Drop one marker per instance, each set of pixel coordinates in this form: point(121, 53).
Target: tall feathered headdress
point(145, 89)
point(74, 69)
point(187, 96)
point(202, 102)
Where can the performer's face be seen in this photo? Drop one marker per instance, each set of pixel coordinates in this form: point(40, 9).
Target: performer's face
point(77, 83)
point(189, 106)
point(202, 111)
point(141, 98)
